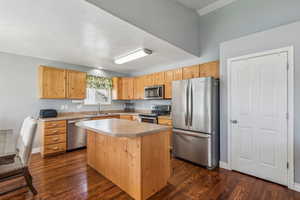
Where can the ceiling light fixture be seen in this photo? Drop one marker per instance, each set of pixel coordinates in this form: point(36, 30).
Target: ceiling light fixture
point(136, 54)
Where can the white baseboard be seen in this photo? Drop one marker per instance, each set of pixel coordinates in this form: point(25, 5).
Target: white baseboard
point(296, 187)
point(224, 165)
point(36, 150)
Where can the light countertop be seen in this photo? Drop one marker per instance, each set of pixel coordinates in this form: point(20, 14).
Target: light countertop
point(80, 115)
point(122, 128)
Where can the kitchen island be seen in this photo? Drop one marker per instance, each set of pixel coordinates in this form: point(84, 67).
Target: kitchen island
point(133, 155)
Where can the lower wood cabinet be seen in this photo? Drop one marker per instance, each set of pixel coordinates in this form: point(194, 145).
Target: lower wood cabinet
point(127, 117)
point(53, 137)
point(164, 121)
point(52, 149)
point(140, 166)
point(167, 122)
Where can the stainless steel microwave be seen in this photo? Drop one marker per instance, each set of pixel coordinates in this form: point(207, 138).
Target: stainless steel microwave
point(154, 92)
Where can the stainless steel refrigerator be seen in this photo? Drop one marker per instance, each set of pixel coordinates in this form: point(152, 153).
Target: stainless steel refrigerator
point(195, 115)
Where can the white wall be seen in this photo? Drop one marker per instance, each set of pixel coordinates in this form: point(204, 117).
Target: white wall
point(272, 39)
point(241, 18)
point(165, 19)
point(19, 90)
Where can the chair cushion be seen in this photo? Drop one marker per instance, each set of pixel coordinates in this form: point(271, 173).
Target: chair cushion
point(12, 169)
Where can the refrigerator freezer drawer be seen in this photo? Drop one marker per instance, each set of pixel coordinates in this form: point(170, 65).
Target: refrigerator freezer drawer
point(194, 147)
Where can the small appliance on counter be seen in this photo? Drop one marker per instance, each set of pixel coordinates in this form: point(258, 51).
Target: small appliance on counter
point(48, 113)
point(129, 107)
point(156, 110)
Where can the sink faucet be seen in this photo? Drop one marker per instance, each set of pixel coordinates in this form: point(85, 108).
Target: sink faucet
point(99, 108)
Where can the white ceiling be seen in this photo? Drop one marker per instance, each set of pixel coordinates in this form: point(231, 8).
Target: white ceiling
point(77, 32)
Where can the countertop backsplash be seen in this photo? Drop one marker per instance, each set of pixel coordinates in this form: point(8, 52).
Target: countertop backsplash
point(146, 104)
point(69, 106)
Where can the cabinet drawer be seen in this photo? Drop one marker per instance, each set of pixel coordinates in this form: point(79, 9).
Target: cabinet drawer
point(55, 148)
point(106, 117)
point(55, 131)
point(127, 117)
point(54, 139)
point(55, 124)
point(166, 122)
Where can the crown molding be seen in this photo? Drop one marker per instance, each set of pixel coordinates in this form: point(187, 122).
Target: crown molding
point(214, 6)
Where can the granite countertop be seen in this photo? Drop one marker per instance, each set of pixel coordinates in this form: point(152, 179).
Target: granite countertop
point(79, 115)
point(122, 128)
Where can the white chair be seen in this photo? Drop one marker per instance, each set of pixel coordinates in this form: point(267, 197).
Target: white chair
point(19, 166)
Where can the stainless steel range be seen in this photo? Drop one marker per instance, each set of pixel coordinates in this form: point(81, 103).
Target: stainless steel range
point(156, 110)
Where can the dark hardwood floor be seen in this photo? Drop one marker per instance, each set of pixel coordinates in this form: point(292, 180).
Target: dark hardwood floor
point(67, 177)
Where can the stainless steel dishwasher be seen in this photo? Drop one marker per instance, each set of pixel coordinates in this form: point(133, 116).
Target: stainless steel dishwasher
point(76, 137)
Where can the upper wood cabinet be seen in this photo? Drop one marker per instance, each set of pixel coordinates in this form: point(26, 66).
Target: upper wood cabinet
point(171, 75)
point(190, 72)
point(210, 69)
point(127, 88)
point(52, 83)
point(133, 88)
point(76, 84)
point(139, 87)
point(55, 83)
point(158, 78)
point(149, 80)
point(116, 88)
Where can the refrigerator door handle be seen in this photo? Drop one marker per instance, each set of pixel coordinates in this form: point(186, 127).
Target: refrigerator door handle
point(191, 104)
point(187, 104)
point(189, 133)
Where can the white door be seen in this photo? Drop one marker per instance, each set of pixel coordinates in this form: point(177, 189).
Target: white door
point(258, 105)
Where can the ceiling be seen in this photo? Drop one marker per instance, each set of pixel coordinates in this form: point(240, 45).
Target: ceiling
point(204, 7)
point(74, 31)
point(196, 4)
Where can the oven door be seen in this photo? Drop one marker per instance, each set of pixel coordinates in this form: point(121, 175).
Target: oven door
point(154, 92)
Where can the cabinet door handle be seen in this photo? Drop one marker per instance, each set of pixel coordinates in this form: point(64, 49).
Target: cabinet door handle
point(55, 148)
point(234, 121)
point(55, 139)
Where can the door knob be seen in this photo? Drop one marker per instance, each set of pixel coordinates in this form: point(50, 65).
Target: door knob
point(234, 121)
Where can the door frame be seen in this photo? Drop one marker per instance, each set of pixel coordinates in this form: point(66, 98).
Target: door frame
point(290, 102)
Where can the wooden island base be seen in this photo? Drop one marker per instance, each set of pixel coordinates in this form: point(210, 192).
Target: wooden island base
point(140, 166)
